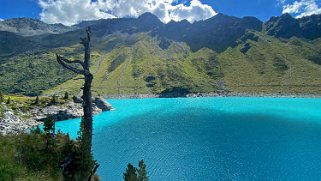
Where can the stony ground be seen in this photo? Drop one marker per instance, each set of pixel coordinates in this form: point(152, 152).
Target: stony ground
point(16, 121)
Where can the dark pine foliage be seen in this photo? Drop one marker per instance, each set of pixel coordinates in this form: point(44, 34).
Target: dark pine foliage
point(1, 97)
point(136, 174)
point(130, 174)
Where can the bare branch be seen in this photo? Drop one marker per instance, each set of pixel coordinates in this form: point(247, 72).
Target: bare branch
point(83, 41)
point(67, 66)
point(80, 78)
point(72, 62)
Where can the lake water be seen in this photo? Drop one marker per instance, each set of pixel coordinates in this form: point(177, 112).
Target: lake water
point(209, 138)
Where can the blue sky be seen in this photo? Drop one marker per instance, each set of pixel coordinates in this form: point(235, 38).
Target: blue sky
point(262, 9)
point(19, 8)
point(52, 11)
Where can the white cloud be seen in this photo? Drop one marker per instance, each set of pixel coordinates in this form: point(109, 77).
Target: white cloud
point(196, 11)
point(70, 12)
point(1, 19)
point(301, 8)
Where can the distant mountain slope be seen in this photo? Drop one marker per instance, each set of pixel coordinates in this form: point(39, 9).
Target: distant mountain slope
point(144, 67)
point(31, 27)
point(267, 65)
point(143, 55)
point(216, 33)
point(12, 44)
point(270, 65)
point(286, 26)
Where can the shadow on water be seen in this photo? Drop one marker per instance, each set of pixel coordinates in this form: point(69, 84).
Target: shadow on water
point(206, 144)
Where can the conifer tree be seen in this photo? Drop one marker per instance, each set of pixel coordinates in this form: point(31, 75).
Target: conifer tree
point(142, 172)
point(66, 97)
point(54, 99)
point(136, 174)
point(130, 174)
point(1, 97)
point(37, 100)
point(49, 128)
point(9, 100)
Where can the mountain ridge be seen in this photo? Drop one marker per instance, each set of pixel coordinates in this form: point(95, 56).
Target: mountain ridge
point(31, 27)
point(286, 26)
point(143, 55)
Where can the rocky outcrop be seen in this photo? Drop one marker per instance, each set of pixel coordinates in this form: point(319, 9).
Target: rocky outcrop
point(14, 122)
point(102, 104)
point(11, 123)
point(77, 99)
point(70, 110)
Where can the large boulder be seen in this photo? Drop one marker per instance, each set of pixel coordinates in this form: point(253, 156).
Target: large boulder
point(102, 104)
point(77, 99)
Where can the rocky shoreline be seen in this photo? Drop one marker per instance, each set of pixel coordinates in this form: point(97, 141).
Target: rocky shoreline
point(13, 122)
point(16, 121)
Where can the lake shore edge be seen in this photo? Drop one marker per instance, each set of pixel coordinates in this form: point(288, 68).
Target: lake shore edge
point(199, 95)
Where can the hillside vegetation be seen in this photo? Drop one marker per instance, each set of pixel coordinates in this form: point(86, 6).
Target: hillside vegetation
point(144, 56)
point(144, 68)
point(264, 65)
point(270, 65)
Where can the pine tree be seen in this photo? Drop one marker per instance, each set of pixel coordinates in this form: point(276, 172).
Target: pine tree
point(37, 100)
point(9, 100)
point(49, 125)
point(53, 99)
point(1, 97)
point(66, 97)
point(37, 130)
point(142, 172)
point(130, 174)
point(49, 128)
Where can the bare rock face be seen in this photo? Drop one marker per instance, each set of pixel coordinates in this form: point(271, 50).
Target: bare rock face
point(102, 104)
point(98, 102)
point(12, 123)
point(70, 110)
point(77, 99)
point(32, 27)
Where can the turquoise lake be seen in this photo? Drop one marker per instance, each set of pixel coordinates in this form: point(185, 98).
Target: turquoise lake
point(208, 139)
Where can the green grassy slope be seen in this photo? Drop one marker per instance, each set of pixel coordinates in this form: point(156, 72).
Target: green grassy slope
point(35, 72)
point(140, 64)
point(273, 66)
point(144, 68)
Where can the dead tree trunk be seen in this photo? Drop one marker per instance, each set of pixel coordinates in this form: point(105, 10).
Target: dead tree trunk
point(85, 71)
